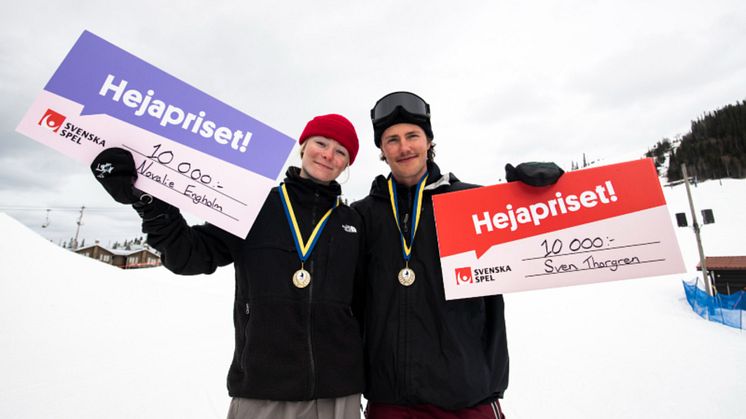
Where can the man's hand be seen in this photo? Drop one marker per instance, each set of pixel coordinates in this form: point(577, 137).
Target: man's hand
point(114, 169)
point(534, 173)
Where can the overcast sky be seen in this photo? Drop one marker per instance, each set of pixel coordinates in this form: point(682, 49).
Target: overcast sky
point(506, 81)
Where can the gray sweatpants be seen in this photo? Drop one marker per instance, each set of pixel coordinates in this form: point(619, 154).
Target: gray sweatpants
point(347, 407)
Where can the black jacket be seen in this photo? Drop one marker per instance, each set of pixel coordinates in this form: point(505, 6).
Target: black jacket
point(291, 343)
point(420, 348)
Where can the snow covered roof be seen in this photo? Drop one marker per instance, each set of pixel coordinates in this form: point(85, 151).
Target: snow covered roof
point(89, 247)
point(120, 251)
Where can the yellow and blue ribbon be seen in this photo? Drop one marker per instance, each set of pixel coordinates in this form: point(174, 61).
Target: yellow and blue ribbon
point(416, 208)
point(304, 248)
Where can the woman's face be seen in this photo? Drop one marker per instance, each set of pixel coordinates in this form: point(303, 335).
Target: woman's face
point(323, 159)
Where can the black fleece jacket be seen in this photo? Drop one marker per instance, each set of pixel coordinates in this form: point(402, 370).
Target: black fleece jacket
point(420, 348)
point(290, 343)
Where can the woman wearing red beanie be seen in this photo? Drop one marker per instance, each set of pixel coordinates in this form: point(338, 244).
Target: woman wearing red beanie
point(298, 347)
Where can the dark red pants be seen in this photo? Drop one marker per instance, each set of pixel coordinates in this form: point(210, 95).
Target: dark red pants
point(427, 411)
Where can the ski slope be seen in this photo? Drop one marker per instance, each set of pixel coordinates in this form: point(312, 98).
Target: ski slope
point(81, 339)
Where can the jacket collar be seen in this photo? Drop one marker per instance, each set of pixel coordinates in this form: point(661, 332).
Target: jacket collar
point(306, 187)
point(435, 180)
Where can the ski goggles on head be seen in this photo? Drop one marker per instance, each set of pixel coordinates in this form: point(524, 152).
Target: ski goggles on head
point(410, 102)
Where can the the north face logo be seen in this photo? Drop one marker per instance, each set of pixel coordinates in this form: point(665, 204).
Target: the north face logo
point(463, 275)
point(349, 228)
point(52, 120)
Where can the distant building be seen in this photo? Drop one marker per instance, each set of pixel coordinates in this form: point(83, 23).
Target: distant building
point(727, 273)
point(137, 257)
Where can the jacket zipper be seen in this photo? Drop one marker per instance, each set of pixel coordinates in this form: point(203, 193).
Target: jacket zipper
point(406, 217)
point(405, 319)
point(312, 390)
point(247, 310)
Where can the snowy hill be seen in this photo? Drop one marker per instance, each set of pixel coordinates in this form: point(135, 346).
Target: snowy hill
point(81, 339)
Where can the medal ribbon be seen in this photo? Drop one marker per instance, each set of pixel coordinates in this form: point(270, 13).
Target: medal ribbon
point(304, 248)
point(416, 207)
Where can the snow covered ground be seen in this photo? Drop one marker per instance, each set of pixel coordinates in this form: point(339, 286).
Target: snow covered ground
point(80, 339)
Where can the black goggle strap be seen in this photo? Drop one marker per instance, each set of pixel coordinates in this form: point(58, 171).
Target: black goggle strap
point(410, 102)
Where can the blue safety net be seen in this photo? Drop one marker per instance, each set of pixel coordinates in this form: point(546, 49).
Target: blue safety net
point(729, 310)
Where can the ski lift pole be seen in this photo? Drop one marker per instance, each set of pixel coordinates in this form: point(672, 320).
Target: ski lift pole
point(77, 231)
point(46, 222)
point(695, 225)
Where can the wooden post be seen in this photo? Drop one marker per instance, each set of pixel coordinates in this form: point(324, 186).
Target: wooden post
point(695, 225)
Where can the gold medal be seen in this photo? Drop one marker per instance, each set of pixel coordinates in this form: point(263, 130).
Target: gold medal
point(406, 277)
point(301, 278)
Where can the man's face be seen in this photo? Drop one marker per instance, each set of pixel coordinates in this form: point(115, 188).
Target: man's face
point(405, 146)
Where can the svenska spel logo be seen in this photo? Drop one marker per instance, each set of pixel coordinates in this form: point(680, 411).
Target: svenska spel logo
point(52, 120)
point(463, 275)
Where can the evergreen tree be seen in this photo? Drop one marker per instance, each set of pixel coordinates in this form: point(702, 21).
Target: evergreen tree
point(715, 147)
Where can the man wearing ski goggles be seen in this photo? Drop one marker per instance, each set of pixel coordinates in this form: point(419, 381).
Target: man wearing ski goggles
point(426, 357)
point(392, 102)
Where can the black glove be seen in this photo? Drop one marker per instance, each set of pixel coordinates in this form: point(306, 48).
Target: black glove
point(114, 169)
point(534, 173)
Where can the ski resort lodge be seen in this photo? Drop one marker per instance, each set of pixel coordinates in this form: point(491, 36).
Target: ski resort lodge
point(727, 273)
point(137, 257)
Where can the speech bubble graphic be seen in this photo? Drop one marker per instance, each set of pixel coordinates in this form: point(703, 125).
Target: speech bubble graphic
point(477, 219)
point(132, 86)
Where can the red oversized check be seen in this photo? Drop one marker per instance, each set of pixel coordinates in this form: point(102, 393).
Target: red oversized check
point(594, 225)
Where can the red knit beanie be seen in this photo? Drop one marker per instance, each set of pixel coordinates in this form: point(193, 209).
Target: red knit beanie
point(336, 127)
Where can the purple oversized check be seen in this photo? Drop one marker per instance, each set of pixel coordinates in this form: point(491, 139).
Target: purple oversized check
point(190, 149)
